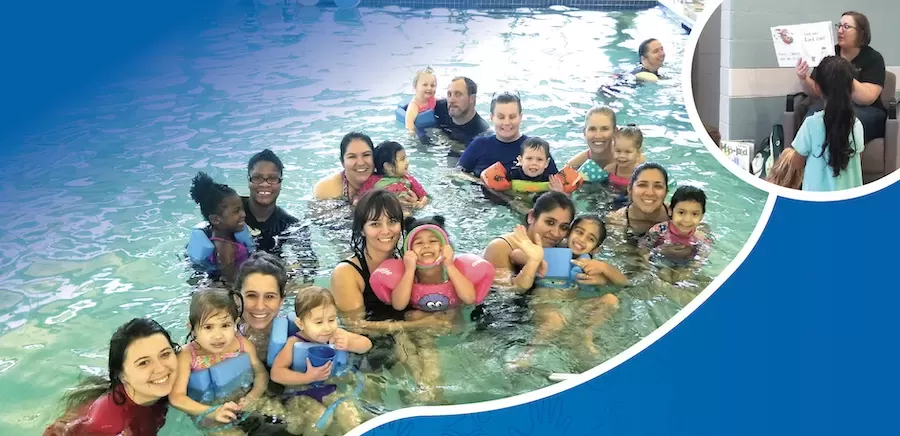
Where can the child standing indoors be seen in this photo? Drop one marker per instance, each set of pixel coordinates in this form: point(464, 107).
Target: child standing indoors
point(316, 318)
point(829, 142)
point(224, 211)
point(214, 343)
point(424, 84)
point(392, 174)
point(626, 153)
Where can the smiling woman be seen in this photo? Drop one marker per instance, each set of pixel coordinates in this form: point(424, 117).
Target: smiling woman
point(132, 401)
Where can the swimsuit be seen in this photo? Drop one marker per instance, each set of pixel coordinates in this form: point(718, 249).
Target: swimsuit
point(432, 102)
point(617, 181)
point(199, 363)
point(665, 234)
point(106, 417)
point(318, 392)
point(240, 252)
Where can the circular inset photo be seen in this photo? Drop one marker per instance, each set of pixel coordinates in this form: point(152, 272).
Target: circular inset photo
point(806, 109)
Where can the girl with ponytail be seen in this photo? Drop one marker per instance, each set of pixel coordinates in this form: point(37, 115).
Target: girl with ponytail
point(829, 143)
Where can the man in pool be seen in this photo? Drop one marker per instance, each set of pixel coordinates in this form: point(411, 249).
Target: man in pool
point(652, 57)
point(456, 114)
point(268, 222)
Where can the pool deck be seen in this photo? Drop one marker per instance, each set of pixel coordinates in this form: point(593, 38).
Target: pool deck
point(685, 12)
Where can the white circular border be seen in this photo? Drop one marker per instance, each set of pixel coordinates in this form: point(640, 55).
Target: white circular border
point(690, 105)
point(539, 394)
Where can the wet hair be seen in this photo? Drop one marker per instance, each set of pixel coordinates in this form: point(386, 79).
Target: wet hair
point(644, 47)
point(535, 143)
point(549, 201)
point(426, 70)
point(633, 133)
point(386, 153)
point(206, 302)
point(834, 77)
point(688, 193)
point(863, 29)
point(411, 223)
point(310, 298)
point(605, 110)
point(596, 220)
point(649, 166)
point(371, 206)
point(352, 136)
point(209, 194)
point(506, 97)
point(265, 156)
point(471, 87)
point(261, 262)
point(783, 172)
point(93, 387)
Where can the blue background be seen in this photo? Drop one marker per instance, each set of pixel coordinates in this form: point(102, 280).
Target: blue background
point(800, 340)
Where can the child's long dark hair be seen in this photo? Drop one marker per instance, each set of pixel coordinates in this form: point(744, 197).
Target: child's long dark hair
point(834, 76)
point(209, 194)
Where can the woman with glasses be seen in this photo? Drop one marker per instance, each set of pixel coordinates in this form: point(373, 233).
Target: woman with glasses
point(853, 37)
point(266, 219)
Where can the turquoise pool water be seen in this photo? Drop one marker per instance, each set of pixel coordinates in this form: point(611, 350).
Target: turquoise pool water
point(94, 234)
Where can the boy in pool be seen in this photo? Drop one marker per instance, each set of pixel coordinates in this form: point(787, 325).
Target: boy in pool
point(679, 242)
point(531, 173)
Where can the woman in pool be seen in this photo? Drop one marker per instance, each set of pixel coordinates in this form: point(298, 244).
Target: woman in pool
point(553, 304)
point(599, 133)
point(646, 194)
point(357, 150)
point(261, 282)
point(133, 401)
point(375, 234)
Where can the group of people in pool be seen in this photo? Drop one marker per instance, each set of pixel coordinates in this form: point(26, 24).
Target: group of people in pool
point(244, 367)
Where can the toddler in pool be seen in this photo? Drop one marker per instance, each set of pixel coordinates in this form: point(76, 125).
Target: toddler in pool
point(223, 209)
point(626, 154)
point(424, 84)
point(213, 341)
point(316, 318)
point(392, 174)
point(679, 241)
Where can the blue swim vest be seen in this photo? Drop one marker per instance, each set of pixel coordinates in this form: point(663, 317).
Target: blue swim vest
point(560, 270)
point(284, 327)
point(221, 380)
point(423, 120)
point(200, 248)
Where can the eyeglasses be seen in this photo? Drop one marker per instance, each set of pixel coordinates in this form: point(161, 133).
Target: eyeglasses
point(256, 180)
point(844, 27)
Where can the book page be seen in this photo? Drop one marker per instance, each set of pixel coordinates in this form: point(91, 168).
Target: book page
point(811, 42)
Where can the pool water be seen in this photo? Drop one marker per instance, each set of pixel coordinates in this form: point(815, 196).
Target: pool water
point(94, 234)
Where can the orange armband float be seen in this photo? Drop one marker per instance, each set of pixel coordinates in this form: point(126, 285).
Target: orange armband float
point(494, 177)
point(569, 178)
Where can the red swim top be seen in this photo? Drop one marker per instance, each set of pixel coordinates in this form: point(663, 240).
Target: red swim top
point(104, 417)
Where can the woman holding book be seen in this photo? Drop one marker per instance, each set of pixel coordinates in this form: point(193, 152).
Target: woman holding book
point(853, 37)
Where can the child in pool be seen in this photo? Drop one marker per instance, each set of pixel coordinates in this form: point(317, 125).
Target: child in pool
point(424, 84)
point(626, 153)
point(585, 237)
point(316, 317)
point(429, 247)
point(224, 211)
point(679, 241)
point(214, 339)
point(534, 158)
point(392, 174)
